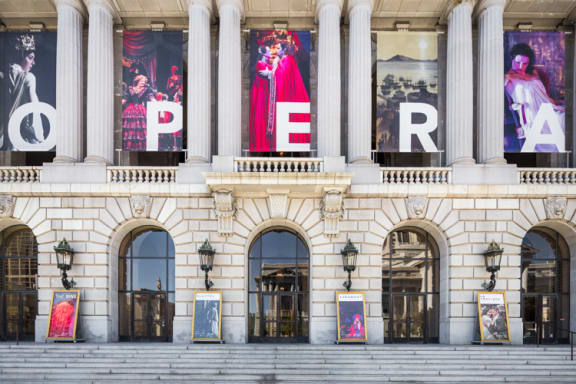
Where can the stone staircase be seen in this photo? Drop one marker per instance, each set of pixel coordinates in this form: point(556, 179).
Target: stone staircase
point(202, 363)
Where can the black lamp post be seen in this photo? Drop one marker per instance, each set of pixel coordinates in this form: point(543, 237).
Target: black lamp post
point(492, 258)
point(207, 261)
point(349, 254)
point(64, 256)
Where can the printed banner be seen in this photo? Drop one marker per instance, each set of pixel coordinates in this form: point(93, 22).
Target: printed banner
point(407, 92)
point(351, 312)
point(535, 89)
point(28, 91)
point(493, 316)
point(207, 316)
point(63, 317)
point(280, 91)
point(152, 91)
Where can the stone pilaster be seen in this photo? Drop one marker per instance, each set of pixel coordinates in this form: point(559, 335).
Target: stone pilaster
point(229, 78)
point(360, 82)
point(328, 16)
point(491, 82)
point(459, 108)
point(199, 75)
point(69, 83)
point(100, 95)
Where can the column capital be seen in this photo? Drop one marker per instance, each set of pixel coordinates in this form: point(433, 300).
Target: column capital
point(76, 4)
point(320, 4)
point(202, 4)
point(485, 4)
point(353, 4)
point(236, 4)
point(455, 4)
point(103, 4)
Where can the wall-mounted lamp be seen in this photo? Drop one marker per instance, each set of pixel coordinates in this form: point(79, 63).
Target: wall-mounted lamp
point(35, 26)
point(402, 26)
point(157, 25)
point(524, 27)
point(349, 254)
point(280, 25)
point(492, 258)
point(64, 257)
point(207, 261)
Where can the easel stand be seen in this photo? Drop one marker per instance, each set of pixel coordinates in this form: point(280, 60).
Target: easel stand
point(340, 342)
point(207, 342)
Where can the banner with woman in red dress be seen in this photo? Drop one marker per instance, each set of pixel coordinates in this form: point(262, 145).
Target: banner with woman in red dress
point(63, 316)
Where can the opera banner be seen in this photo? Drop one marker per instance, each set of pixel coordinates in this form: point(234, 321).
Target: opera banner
point(28, 91)
point(207, 316)
point(493, 316)
point(63, 317)
point(535, 90)
point(152, 91)
point(407, 92)
point(351, 314)
point(280, 91)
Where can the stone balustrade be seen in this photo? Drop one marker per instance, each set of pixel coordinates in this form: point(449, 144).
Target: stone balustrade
point(142, 174)
point(416, 175)
point(278, 164)
point(20, 174)
point(547, 176)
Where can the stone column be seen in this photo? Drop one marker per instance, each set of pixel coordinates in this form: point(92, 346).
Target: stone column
point(459, 106)
point(69, 82)
point(100, 95)
point(199, 76)
point(229, 78)
point(491, 82)
point(360, 82)
point(328, 16)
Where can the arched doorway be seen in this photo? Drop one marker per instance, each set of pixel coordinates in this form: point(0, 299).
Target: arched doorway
point(18, 283)
point(545, 287)
point(411, 287)
point(146, 285)
point(278, 288)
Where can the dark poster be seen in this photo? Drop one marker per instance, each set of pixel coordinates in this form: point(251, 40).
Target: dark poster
point(207, 316)
point(152, 91)
point(279, 91)
point(493, 316)
point(351, 312)
point(28, 91)
point(63, 317)
point(535, 90)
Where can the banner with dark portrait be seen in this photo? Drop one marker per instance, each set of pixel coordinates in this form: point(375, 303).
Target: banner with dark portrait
point(279, 91)
point(28, 91)
point(351, 316)
point(407, 92)
point(535, 90)
point(152, 91)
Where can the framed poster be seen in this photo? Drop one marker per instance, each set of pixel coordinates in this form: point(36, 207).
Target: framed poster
point(63, 317)
point(493, 316)
point(351, 312)
point(207, 316)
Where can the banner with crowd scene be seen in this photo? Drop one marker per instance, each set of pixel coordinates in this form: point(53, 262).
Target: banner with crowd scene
point(493, 316)
point(407, 92)
point(535, 90)
point(28, 91)
point(152, 91)
point(280, 91)
point(63, 316)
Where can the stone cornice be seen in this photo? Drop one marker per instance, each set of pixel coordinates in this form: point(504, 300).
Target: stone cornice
point(76, 4)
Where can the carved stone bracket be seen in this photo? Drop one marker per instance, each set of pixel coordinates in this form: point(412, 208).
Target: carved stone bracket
point(555, 207)
point(141, 205)
point(278, 201)
point(416, 206)
point(7, 203)
point(225, 208)
point(332, 212)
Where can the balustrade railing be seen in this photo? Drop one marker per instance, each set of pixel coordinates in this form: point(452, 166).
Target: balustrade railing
point(279, 164)
point(142, 174)
point(547, 176)
point(20, 174)
point(416, 175)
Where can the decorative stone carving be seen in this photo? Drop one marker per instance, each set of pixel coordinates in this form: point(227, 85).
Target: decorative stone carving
point(278, 202)
point(141, 205)
point(555, 207)
point(7, 203)
point(332, 212)
point(225, 208)
point(416, 206)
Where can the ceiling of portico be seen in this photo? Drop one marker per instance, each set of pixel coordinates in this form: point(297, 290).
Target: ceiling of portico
point(544, 14)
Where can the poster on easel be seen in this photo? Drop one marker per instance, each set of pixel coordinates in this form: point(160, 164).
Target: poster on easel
point(493, 317)
point(207, 316)
point(351, 313)
point(63, 316)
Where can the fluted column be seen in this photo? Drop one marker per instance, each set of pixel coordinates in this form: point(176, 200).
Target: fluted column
point(229, 78)
point(491, 82)
point(459, 107)
point(360, 82)
point(69, 83)
point(199, 76)
point(328, 16)
point(100, 95)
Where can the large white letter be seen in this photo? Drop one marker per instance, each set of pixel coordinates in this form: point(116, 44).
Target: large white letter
point(284, 127)
point(407, 128)
point(535, 136)
point(155, 127)
point(16, 119)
